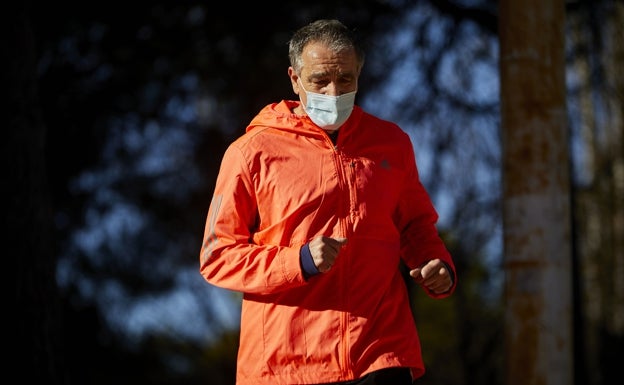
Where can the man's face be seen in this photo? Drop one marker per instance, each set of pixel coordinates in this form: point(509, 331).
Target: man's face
point(325, 72)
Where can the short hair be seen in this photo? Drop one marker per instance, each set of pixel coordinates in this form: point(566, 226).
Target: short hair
point(330, 32)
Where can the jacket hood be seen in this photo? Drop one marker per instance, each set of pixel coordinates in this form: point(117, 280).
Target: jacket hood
point(280, 116)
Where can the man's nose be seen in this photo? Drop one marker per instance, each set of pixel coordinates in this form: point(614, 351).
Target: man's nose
point(331, 89)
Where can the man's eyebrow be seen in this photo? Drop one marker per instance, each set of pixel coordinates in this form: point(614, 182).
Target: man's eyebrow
point(348, 74)
point(325, 75)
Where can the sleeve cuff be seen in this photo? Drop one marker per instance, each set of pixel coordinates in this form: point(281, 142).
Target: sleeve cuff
point(451, 273)
point(307, 263)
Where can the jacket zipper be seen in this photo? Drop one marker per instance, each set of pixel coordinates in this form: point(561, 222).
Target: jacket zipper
point(346, 177)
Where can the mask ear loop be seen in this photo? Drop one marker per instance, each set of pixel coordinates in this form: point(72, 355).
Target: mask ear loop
point(301, 84)
point(303, 105)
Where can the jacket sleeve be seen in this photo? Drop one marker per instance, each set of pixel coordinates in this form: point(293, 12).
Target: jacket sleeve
point(417, 218)
point(228, 258)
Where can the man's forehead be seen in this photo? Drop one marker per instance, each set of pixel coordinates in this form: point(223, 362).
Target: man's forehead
point(330, 63)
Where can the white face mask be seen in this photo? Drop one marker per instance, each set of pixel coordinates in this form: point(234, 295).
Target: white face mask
point(329, 112)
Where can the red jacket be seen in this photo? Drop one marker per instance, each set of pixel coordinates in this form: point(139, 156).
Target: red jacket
point(281, 184)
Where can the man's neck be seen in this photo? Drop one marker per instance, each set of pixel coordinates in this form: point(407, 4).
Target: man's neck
point(333, 135)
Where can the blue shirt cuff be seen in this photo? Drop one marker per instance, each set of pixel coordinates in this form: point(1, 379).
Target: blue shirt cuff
point(307, 263)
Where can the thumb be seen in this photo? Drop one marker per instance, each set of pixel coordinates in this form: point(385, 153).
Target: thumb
point(341, 241)
point(415, 273)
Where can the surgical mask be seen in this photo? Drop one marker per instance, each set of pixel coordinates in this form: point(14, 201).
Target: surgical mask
point(329, 112)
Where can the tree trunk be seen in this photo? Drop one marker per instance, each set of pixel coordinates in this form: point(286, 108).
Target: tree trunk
point(536, 193)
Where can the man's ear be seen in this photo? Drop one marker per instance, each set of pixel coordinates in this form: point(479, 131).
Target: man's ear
point(293, 80)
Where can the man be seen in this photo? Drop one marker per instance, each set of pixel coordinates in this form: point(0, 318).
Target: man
point(313, 210)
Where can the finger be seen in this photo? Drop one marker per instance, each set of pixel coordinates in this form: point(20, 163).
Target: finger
point(431, 267)
point(441, 276)
point(441, 282)
point(337, 243)
point(440, 287)
point(324, 267)
point(332, 247)
point(416, 274)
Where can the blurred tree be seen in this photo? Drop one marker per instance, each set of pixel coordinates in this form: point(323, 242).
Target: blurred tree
point(536, 194)
point(596, 101)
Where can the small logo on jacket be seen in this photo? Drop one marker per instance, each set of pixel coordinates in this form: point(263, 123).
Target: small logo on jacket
point(385, 164)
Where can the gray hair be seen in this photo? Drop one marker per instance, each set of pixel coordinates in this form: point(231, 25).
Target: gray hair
point(332, 33)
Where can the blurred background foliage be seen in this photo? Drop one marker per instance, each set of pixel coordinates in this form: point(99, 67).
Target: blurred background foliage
point(117, 116)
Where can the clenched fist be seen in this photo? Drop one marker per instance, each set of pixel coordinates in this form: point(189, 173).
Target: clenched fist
point(434, 275)
point(324, 251)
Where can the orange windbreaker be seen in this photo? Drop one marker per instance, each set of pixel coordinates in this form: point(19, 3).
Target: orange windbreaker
point(282, 183)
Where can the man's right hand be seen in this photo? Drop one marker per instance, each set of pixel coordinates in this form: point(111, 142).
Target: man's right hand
point(324, 251)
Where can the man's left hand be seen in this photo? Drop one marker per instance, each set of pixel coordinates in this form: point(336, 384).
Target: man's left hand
point(434, 275)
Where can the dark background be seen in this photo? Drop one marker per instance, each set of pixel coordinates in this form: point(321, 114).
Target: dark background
point(116, 115)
